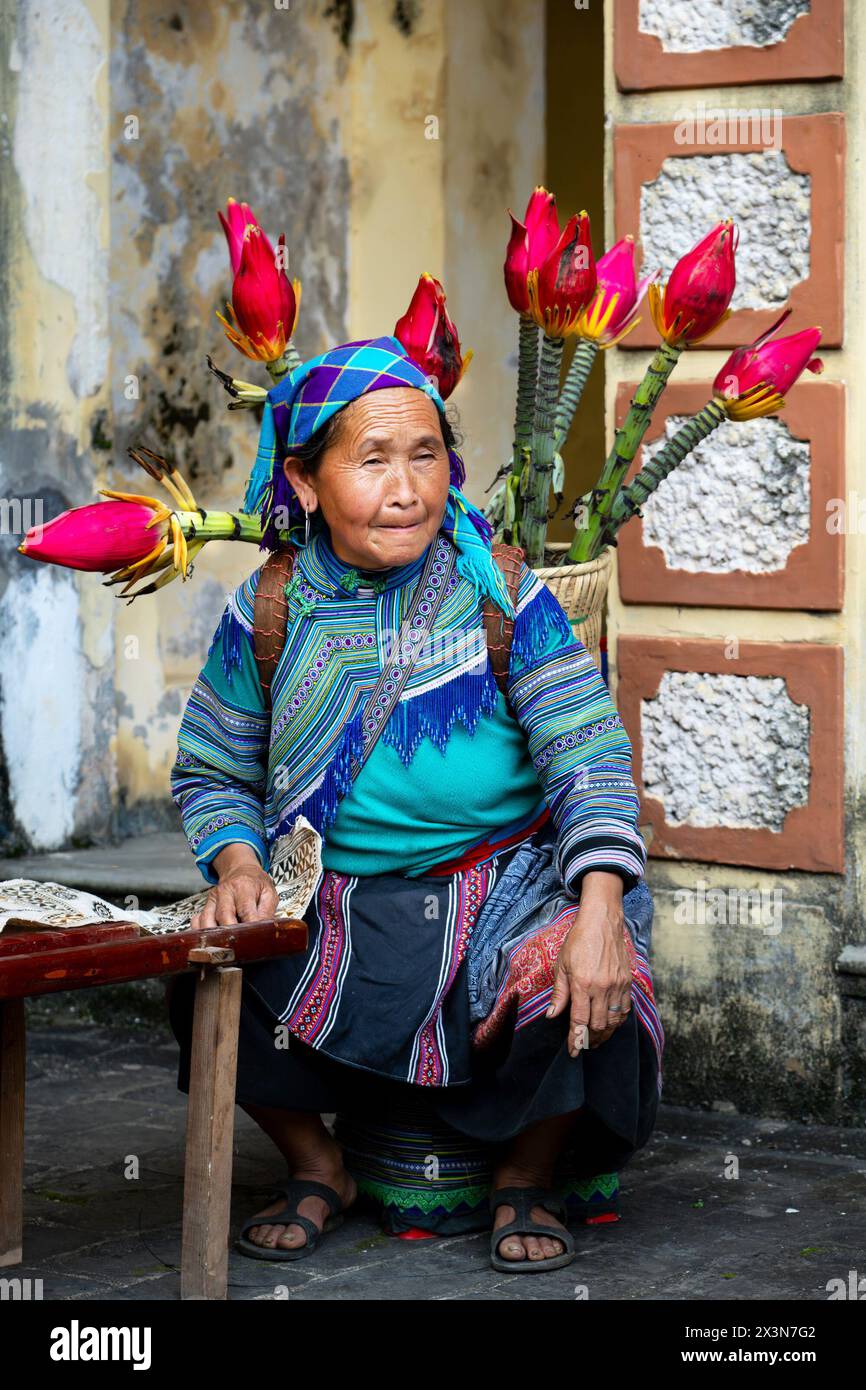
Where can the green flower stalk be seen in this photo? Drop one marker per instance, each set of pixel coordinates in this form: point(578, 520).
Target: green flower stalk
point(494, 510)
point(286, 362)
point(575, 380)
point(535, 483)
point(527, 375)
point(687, 438)
point(589, 540)
point(205, 525)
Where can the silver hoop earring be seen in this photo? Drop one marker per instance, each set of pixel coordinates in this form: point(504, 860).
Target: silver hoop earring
point(307, 527)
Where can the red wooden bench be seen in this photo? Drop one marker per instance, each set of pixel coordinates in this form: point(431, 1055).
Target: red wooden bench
point(46, 961)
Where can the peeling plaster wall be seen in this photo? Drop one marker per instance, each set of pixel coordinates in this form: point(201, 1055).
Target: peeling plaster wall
point(740, 501)
point(397, 138)
point(767, 199)
point(446, 133)
point(691, 26)
point(54, 174)
point(56, 696)
point(39, 613)
point(238, 100)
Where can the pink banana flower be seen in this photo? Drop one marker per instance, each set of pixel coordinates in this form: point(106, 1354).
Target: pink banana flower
point(755, 379)
point(135, 538)
point(613, 312)
point(103, 536)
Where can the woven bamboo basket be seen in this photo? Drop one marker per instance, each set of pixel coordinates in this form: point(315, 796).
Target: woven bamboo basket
point(581, 591)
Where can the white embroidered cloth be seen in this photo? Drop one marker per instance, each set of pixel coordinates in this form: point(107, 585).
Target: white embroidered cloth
point(296, 865)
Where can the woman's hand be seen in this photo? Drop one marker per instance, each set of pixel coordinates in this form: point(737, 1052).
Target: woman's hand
point(593, 969)
point(245, 893)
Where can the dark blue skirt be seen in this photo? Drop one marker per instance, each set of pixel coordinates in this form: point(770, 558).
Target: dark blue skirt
point(379, 1009)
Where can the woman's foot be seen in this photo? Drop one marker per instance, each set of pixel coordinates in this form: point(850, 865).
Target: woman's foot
point(316, 1209)
point(530, 1162)
point(516, 1247)
point(312, 1154)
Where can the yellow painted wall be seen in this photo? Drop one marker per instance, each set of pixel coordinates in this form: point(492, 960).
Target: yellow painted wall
point(446, 132)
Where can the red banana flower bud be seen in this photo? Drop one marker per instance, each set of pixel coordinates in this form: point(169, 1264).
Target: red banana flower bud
point(562, 288)
point(530, 244)
point(695, 300)
point(264, 304)
point(134, 538)
point(430, 338)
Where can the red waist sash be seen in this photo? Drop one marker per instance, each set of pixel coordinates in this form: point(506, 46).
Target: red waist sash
point(476, 854)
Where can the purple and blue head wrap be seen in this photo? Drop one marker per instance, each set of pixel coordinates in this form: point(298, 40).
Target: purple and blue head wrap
point(309, 396)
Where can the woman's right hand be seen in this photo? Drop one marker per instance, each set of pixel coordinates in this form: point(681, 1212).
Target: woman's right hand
point(245, 893)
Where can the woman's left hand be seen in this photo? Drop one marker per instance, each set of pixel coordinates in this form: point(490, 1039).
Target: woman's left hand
point(593, 969)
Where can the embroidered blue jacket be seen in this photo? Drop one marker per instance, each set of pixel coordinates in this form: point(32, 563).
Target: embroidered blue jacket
point(452, 767)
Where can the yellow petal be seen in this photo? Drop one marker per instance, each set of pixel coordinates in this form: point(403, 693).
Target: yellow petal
point(623, 333)
point(130, 497)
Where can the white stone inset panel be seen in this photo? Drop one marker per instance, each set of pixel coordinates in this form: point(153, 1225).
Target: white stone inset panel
point(695, 26)
point(725, 750)
point(739, 501)
point(767, 199)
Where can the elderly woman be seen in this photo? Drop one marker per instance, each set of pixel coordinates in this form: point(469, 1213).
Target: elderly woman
point(426, 784)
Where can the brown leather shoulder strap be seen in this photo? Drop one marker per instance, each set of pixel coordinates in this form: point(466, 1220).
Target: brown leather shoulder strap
point(270, 615)
point(499, 628)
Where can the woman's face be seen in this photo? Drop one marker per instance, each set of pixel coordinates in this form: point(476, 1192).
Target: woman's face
point(383, 485)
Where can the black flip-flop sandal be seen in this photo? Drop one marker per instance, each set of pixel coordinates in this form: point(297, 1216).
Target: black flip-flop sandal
point(523, 1199)
point(293, 1192)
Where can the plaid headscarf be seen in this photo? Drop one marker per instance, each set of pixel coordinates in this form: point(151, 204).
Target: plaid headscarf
point(309, 396)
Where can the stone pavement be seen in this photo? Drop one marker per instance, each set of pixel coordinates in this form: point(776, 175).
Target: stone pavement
point(155, 868)
point(102, 1099)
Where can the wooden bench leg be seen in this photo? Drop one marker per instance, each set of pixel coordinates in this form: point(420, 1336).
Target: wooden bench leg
point(12, 1051)
point(210, 1130)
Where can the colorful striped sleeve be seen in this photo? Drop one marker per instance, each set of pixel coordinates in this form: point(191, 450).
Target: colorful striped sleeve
point(580, 749)
point(219, 777)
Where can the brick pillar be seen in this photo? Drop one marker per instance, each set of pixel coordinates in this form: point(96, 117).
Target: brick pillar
point(736, 622)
